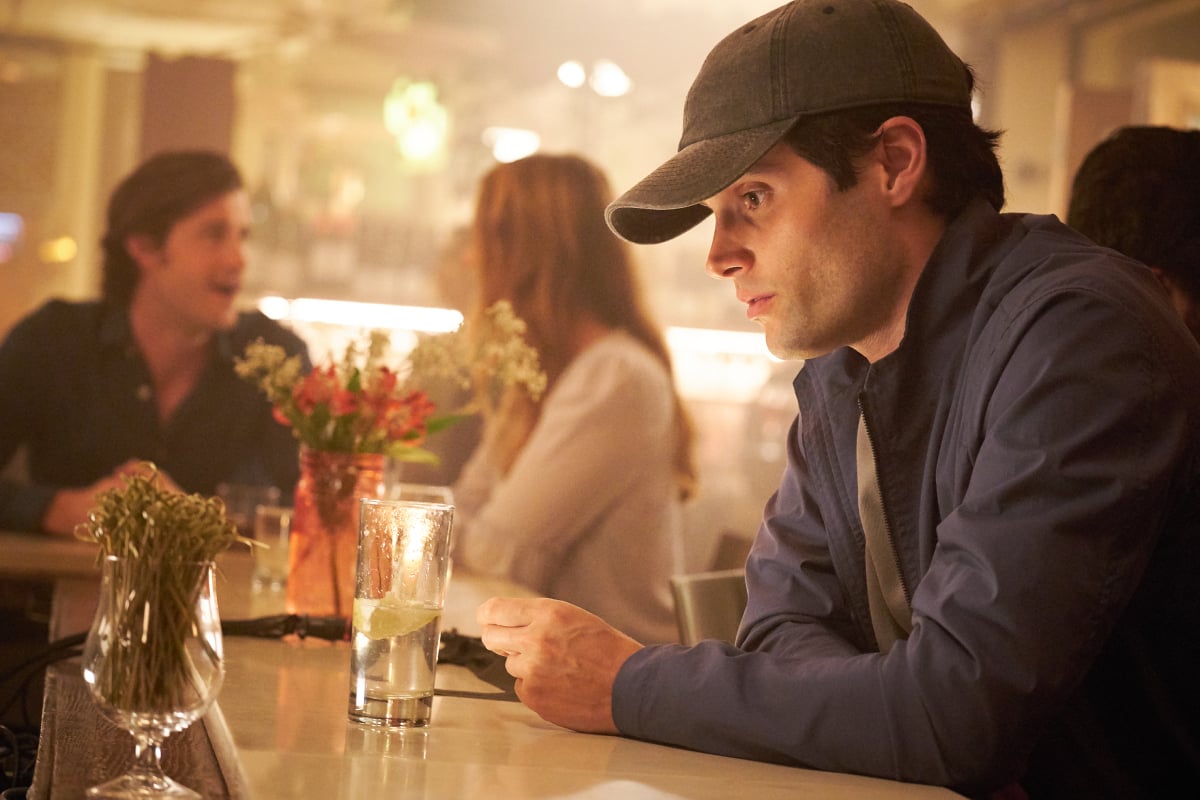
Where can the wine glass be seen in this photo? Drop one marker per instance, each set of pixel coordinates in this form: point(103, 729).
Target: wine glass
point(153, 660)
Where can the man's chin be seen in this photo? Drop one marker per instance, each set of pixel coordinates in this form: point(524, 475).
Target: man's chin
point(790, 351)
point(226, 322)
point(222, 323)
point(775, 345)
point(785, 354)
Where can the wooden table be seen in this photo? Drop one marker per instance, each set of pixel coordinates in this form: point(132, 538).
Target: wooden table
point(73, 568)
point(68, 564)
point(38, 556)
point(279, 730)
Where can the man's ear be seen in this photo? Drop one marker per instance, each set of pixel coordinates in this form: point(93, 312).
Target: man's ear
point(142, 249)
point(901, 150)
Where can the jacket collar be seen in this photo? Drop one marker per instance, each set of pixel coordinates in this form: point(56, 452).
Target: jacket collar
point(947, 291)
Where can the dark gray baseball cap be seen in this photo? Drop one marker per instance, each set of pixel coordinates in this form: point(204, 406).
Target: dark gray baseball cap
point(805, 58)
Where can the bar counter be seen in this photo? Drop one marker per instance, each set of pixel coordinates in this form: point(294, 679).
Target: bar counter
point(279, 730)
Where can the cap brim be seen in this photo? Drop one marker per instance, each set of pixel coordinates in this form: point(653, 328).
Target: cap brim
point(666, 202)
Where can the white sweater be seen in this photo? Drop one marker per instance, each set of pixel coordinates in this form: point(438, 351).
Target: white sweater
point(589, 512)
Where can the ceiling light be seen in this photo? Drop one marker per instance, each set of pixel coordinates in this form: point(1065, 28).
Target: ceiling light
point(419, 123)
point(58, 251)
point(609, 80)
point(362, 315)
point(572, 74)
point(510, 144)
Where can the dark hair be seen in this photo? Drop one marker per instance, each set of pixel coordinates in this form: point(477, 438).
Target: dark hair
point(1138, 192)
point(163, 190)
point(961, 155)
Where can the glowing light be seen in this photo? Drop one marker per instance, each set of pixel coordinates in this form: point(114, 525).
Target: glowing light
point(275, 307)
point(572, 74)
point(361, 315)
point(717, 342)
point(419, 123)
point(422, 141)
point(718, 365)
point(11, 226)
point(58, 251)
point(509, 144)
point(609, 80)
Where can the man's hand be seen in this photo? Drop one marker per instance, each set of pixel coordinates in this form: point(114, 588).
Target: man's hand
point(70, 507)
point(565, 659)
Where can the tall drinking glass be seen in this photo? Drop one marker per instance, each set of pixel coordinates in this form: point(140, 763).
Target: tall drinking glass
point(241, 499)
point(272, 527)
point(400, 591)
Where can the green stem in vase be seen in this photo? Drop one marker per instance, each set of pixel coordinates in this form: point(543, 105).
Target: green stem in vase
point(163, 543)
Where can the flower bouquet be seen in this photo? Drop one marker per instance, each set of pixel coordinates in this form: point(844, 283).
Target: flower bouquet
point(354, 412)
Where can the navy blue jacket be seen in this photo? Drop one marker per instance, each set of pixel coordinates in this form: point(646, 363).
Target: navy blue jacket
point(1037, 436)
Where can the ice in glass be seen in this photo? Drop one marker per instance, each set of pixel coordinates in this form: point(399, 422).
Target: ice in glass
point(400, 588)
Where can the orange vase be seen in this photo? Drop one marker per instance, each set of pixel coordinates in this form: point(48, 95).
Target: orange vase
point(324, 541)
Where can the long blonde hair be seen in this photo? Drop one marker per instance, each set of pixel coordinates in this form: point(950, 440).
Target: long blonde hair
point(540, 242)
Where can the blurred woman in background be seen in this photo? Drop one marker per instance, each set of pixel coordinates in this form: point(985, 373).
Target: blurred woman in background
point(577, 496)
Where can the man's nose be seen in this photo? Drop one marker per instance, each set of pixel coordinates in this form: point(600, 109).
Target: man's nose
point(237, 254)
point(725, 257)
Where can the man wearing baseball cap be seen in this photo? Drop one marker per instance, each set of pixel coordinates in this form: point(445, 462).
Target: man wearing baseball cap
point(978, 570)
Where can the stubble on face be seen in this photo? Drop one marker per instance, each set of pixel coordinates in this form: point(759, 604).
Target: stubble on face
point(834, 276)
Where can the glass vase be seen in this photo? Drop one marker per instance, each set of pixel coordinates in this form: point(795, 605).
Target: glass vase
point(323, 546)
point(153, 661)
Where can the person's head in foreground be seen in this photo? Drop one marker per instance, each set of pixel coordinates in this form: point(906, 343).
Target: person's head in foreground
point(175, 237)
point(1138, 192)
point(978, 569)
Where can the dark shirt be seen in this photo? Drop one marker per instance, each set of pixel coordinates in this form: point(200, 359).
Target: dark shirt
point(77, 394)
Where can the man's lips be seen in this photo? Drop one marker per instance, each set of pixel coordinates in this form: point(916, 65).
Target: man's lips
point(755, 303)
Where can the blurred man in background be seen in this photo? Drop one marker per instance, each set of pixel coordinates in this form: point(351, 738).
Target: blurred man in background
point(1138, 192)
point(87, 389)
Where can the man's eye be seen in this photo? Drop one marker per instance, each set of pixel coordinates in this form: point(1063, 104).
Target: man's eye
point(753, 199)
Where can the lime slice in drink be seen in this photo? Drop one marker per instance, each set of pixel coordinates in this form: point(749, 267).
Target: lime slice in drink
point(382, 619)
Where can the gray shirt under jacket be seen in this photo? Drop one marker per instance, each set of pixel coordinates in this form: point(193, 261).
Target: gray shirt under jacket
point(1038, 446)
point(76, 393)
